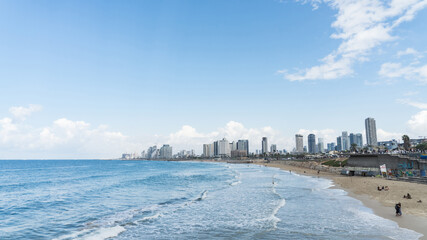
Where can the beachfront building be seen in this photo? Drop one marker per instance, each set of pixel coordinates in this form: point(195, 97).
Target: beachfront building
point(299, 143)
point(345, 141)
point(243, 145)
point(152, 152)
point(312, 143)
point(273, 148)
point(208, 150)
point(238, 153)
point(216, 147)
point(320, 145)
point(339, 144)
point(371, 132)
point(165, 152)
point(233, 146)
point(224, 148)
point(264, 145)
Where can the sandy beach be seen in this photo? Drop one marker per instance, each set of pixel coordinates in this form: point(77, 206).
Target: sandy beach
point(381, 202)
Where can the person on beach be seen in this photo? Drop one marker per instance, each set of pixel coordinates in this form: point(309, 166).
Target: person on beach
point(398, 208)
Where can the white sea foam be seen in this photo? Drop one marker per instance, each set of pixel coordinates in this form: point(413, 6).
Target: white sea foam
point(104, 233)
point(149, 218)
point(235, 183)
point(204, 195)
point(73, 235)
point(282, 203)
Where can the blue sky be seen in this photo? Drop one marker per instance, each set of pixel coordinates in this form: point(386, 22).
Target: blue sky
point(96, 78)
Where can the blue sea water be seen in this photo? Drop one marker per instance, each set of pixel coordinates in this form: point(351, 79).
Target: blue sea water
point(96, 199)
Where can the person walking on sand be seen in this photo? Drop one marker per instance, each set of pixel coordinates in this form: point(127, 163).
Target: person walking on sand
point(398, 208)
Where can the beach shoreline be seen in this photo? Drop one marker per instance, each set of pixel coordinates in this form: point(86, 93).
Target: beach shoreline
point(381, 202)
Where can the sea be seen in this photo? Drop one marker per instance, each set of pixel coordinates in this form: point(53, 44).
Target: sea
point(108, 199)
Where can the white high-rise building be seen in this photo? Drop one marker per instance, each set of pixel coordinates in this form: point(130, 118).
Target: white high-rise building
point(345, 141)
point(208, 150)
point(224, 148)
point(165, 152)
point(273, 148)
point(371, 132)
point(320, 145)
point(299, 143)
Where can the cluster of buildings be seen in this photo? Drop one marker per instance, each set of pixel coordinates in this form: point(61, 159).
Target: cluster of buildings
point(225, 149)
point(165, 152)
point(240, 149)
point(345, 142)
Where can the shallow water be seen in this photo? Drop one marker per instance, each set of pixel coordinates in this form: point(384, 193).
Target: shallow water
point(94, 199)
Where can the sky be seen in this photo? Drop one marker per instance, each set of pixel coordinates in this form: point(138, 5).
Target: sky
point(94, 79)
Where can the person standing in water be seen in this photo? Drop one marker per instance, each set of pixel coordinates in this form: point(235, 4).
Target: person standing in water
point(398, 208)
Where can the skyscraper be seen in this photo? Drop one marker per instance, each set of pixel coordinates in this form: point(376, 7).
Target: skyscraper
point(299, 143)
point(359, 140)
point(371, 132)
point(345, 141)
point(312, 143)
point(243, 145)
point(273, 148)
point(352, 137)
point(264, 145)
point(320, 145)
point(165, 152)
point(208, 150)
point(339, 144)
point(331, 147)
point(224, 148)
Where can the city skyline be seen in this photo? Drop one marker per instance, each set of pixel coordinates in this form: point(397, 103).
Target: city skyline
point(94, 79)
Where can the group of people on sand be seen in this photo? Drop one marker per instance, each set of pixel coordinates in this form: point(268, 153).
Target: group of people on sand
point(408, 196)
point(398, 206)
point(385, 188)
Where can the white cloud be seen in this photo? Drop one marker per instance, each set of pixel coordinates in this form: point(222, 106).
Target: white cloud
point(418, 124)
point(21, 113)
point(408, 51)
point(419, 105)
point(64, 138)
point(361, 25)
point(411, 93)
point(383, 135)
point(410, 72)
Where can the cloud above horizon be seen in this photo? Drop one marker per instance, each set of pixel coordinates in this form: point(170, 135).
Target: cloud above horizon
point(361, 25)
point(417, 124)
point(65, 138)
point(21, 113)
point(62, 138)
